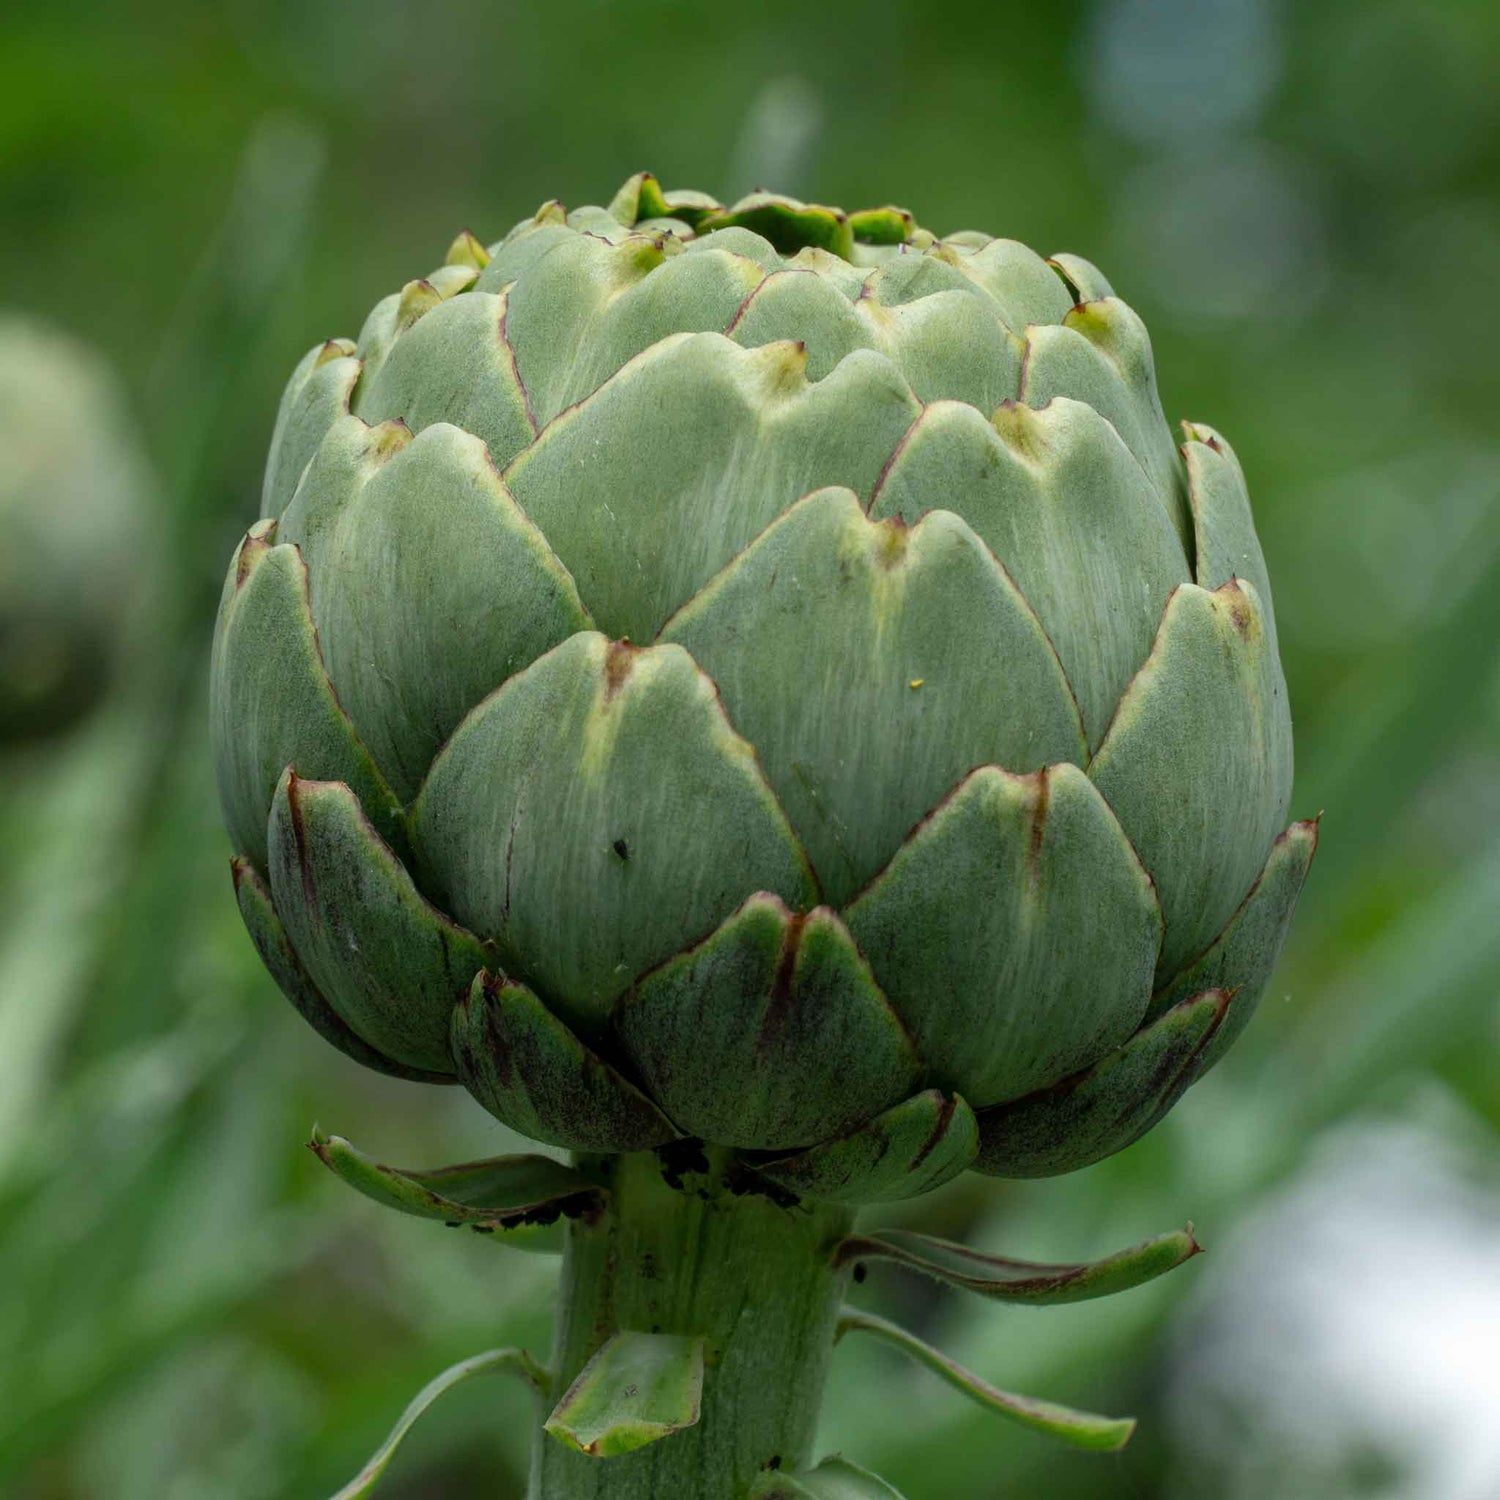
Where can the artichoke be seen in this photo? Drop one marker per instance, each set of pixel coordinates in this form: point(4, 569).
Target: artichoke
point(762, 685)
point(764, 675)
point(73, 501)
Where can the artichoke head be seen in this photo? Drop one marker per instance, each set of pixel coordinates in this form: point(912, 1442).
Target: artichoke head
point(74, 505)
point(761, 675)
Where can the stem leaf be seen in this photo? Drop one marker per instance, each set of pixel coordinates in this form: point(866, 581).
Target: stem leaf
point(638, 1388)
point(1006, 1280)
point(521, 1198)
point(511, 1361)
point(1080, 1429)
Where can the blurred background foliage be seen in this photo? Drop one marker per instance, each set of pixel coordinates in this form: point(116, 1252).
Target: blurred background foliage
point(1303, 202)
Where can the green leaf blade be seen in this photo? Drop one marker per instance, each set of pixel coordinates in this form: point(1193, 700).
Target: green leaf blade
point(1079, 1429)
point(515, 1197)
point(1005, 1280)
point(493, 1361)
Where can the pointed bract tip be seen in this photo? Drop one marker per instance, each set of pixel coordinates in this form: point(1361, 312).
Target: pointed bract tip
point(619, 658)
point(1200, 432)
point(1096, 318)
point(386, 439)
point(466, 250)
point(1222, 999)
point(258, 541)
point(1074, 290)
point(645, 252)
point(891, 542)
point(333, 349)
point(1242, 614)
point(782, 365)
point(289, 782)
point(1021, 428)
point(488, 982)
point(417, 297)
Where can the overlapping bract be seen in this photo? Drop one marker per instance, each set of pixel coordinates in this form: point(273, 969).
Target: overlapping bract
point(761, 674)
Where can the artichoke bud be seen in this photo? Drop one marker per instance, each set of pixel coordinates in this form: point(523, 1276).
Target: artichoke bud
point(766, 675)
point(74, 504)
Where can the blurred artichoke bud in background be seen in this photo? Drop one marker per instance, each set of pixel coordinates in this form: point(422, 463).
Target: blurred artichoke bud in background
point(73, 501)
point(765, 675)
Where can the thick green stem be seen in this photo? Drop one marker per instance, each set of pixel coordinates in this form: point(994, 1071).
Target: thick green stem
point(692, 1252)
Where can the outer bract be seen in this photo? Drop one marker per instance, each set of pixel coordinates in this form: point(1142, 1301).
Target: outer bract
point(764, 675)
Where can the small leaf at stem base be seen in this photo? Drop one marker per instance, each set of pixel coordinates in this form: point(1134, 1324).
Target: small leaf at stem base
point(637, 1389)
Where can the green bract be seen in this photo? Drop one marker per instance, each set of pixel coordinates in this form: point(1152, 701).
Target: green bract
point(765, 675)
